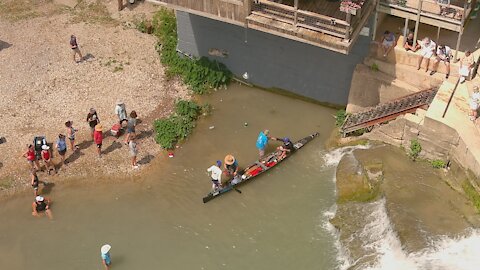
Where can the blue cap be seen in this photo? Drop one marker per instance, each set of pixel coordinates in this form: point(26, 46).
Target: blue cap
point(285, 140)
point(219, 163)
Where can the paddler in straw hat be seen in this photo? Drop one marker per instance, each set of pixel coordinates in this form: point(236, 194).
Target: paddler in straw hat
point(231, 166)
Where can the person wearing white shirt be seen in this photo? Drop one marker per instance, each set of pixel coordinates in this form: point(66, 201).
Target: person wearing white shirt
point(427, 50)
point(443, 55)
point(216, 175)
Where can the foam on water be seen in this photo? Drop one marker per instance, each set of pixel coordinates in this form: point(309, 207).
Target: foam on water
point(332, 158)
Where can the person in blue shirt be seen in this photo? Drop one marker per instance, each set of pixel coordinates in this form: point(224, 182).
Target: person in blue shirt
point(106, 260)
point(262, 142)
point(61, 147)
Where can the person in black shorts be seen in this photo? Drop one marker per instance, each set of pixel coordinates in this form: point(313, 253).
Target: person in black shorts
point(75, 49)
point(92, 120)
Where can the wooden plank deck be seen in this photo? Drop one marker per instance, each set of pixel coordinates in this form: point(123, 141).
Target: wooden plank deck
point(324, 7)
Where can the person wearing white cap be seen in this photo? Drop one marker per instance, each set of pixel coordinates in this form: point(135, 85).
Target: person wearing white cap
point(105, 252)
point(46, 157)
point(262, 141)
point(121, 111)
point(41, 205)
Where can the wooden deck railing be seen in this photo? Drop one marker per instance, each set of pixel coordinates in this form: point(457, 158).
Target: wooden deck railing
point(452, 12)
point(309, 20)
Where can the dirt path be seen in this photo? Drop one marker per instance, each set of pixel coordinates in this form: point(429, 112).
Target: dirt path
point(42, 87)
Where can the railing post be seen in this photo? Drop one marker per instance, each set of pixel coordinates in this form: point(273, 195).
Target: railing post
point(295, 14)
point(419, 10)
point(459, 39)
point(348, 19)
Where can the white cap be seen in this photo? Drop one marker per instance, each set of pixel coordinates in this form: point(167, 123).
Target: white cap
point(45, 147)
point(39, 199)
point(105, 248)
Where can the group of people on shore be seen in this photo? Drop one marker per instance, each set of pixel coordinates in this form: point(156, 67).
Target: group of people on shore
point(428, 49)
point(33, 156)
point(230, 165)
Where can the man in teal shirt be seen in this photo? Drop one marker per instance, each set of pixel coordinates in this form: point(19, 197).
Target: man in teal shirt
point(262, 142)
point(105, 250)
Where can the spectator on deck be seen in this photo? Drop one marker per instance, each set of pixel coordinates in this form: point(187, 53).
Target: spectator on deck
point(409, 45)
point(427, 50)
point(388, 42)
point(443, 54)
point(474, 103)
point(466, 65)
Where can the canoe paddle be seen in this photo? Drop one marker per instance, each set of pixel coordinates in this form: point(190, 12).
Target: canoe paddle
point(237, 190)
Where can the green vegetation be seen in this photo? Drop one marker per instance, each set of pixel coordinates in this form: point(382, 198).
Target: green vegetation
point(415, 149)
point(117, 65)
point(93, 12)
point(200, 75)
point(374, 67)
point(472, 194)
point(179, 125)
point(438, 163)
point(6, 183)
point(340, 117)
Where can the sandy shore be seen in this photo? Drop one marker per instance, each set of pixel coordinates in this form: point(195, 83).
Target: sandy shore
point(42, 87)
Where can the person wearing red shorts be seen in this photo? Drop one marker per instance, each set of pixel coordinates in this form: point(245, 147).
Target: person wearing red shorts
point(98, 138)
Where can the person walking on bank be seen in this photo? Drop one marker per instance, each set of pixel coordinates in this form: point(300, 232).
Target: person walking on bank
point(262, 141)
point(47, 159)
point(75, 49)
point(105, 254)
point(121, 111)
point(98, 138)
point(216, 175)
point(131, 124)
point(71, 135)
point(92, 120)
point(61, 146)
point(34, 181)
point(31, 157)
point(41, 205)
point(132, 146)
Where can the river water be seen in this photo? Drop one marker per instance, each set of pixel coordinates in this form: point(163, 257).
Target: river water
point(158, 221)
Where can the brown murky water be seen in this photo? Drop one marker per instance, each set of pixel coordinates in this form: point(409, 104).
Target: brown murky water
point(159, 221)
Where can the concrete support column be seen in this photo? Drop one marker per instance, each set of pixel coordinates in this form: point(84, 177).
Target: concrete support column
point(419, 10)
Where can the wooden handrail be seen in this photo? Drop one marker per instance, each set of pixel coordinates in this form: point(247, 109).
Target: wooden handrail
point(322, 17)
point(273, 4)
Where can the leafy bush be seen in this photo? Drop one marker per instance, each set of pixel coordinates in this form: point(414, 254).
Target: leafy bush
point(415, 149)
point(200, 75)
point(178, 126)
point(472, 194)
point(340, 117)
point(438, 164)
point(374, 67)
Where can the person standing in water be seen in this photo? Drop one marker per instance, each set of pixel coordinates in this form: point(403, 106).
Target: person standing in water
point(41, 205)
point(105, 254)
point(262, 142)
point(35, 182)
point(216, 175)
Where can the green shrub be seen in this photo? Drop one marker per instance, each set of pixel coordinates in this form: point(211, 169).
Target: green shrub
point(472, 194)
point(415, 149)
point(178, 126)
point(142, 26)
point(374, 67)
point(340, 117)
point(200, 75)
point(188, 109)
point(438, 163)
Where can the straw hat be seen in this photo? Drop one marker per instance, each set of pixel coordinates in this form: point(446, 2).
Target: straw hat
point(105, 248)
point(45, 147)
point(229, 160)
point(98, 127)
point(39, 199)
